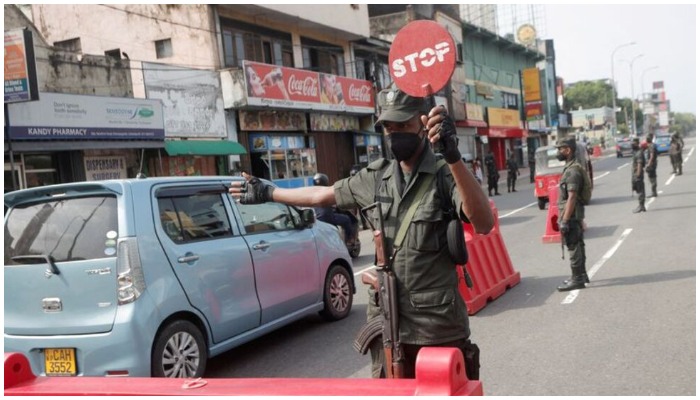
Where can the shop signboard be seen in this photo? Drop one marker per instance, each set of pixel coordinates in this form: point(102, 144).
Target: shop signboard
point(20, 67)
point(533, 110)
point(272, 120)
point(531, 84)
point(503, 118)
point(104, 167)
point(333, 122)
point(281, 87)
point(69, 116)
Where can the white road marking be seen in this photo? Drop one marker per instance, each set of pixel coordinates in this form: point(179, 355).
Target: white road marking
point(600, 176)
point(623, 166)
point(518, 210)
point(366, 269)
point(574, 293)
point(668, 182)
point(649, 202)
point(689, 153)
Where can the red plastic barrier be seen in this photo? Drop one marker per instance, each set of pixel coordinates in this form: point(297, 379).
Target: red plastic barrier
point(439, 372)
point(551, 228)
point(489, 266)
point(597, 151)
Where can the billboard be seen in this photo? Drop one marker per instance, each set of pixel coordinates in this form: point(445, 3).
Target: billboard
point(69, 116)
point(20, 67)
point(663, 118)
point(275, 86)
point(193, 105)
point(531, 84)
point(502, 118)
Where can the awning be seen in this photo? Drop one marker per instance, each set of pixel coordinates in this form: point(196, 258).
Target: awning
point(203, 148)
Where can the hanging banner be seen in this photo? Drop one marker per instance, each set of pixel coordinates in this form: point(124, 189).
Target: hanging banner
point(105, 167)
point(531, 84)
point(20, 67)
point(275, 86)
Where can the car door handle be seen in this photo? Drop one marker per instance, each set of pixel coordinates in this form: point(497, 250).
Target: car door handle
point(261, 246)
point(188, 258)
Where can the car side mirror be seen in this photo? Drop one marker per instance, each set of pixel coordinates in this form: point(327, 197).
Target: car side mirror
point(308, 217)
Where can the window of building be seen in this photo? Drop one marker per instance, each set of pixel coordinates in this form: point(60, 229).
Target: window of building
point(69, 45)
point(322, 57)
point(164, 48)
point(254, 43)
point(510, 101)
point(116, 54)
point(40, 170)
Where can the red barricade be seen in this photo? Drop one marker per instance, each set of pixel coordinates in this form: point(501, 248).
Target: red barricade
point(551, 228)
point(597, 151)
point(489, 266)
point(439, 372)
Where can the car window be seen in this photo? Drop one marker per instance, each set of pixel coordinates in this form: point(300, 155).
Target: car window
point(69, 229)
point(194, 217)
point(268, 217)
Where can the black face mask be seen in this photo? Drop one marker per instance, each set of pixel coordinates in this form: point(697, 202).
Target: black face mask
point(635, 147)
point(403, 144)
point(561, 156)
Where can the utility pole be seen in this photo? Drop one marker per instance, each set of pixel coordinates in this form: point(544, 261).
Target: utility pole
point(614, 95)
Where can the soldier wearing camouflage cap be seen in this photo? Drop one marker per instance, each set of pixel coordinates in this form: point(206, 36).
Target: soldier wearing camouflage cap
point(638, 163)
point(571, 214)
point(431, 311)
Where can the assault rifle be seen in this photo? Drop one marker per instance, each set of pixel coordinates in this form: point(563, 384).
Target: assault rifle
point(384, 283)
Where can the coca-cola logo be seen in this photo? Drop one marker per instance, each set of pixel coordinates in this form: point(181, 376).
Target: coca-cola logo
point(305, 87)
point(359, 94)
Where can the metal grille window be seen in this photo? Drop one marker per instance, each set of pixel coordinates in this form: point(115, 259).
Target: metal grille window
point(248, 42)
point(164, 48)
point(321, 57)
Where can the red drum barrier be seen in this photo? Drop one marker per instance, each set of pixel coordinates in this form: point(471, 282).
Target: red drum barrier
point(439, 372)
point(489, 266)
point(597, 151)
point(551, 228)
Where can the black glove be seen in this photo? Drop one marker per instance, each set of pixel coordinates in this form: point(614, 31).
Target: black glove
point(448, 140)
point(564, 228)
point(256, 191)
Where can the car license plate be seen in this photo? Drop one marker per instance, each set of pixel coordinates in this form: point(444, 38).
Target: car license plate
point(60, 362)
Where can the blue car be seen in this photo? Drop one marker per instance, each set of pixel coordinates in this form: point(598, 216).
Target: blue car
point(150, 277)
point(663, 143)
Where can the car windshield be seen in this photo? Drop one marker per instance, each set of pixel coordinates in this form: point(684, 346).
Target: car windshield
point(66, 230)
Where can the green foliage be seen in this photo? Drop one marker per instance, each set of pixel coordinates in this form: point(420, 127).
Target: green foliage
point(683, 123)
point(588, 94)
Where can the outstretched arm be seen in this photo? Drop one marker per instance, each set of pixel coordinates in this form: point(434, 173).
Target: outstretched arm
point(255, 191)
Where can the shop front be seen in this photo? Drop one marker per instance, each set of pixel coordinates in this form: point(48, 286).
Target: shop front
point(295, 123)
point(68, 138)
point(505, 134)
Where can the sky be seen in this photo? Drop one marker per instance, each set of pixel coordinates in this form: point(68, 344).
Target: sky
point(585, 37)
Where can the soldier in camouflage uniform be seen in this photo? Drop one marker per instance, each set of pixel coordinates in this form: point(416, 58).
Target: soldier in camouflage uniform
point(638, 175)
point(431, 311)
point(571, 214)
point(652, 156)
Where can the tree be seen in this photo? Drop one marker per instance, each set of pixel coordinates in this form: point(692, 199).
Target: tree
point(588, 94)
point(683, 123)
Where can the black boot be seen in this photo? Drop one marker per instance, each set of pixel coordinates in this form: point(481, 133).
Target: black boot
point(582, 272)
point(576, 282)
point(639, 209)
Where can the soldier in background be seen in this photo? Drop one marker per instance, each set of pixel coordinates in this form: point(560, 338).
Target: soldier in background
point(571, 215)
point(676, 154)
point(513, 172)
point(652, 155)
point(638, 175)
point(492, 174)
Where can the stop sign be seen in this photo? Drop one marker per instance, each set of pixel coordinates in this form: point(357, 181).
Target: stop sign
point(422, 58)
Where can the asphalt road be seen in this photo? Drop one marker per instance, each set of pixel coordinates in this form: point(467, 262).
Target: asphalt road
point(631, 332)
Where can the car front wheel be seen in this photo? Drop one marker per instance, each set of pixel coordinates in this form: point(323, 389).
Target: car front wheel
point(337, 294)
point(179, 351)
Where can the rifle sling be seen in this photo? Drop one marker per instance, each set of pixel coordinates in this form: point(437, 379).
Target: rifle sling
point(403, 229)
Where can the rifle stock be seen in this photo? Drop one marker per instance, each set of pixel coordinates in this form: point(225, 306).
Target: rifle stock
point(384, 283)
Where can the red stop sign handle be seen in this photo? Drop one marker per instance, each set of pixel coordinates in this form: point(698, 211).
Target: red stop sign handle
point(422, 58)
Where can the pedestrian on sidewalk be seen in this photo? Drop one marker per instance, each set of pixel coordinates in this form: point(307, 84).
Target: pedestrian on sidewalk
point(476, 165)
point(492, 172)
point(531, 163)
point(513, 172)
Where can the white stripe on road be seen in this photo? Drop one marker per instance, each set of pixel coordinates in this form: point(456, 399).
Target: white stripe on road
point(600, 176)
point(518, 210)
point(668, 182)
point(366, 269)
point(574, 293)
point(623, 166)
point(689, 153)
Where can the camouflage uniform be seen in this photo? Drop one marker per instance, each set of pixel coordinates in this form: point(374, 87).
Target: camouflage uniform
point(572, 180)
point(652, 158)
point(431, 310)
point(638, 180)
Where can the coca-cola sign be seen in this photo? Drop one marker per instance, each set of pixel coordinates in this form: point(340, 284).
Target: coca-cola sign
point(275, 86)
